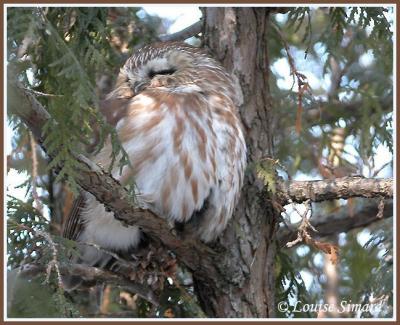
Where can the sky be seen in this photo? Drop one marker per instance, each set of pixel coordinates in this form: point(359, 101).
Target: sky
point(183, 15)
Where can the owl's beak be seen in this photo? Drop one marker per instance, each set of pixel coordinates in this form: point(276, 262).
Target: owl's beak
point(139, 86)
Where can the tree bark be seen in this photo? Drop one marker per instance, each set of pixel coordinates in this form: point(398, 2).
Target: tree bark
point(237, 38)
point(334, 189)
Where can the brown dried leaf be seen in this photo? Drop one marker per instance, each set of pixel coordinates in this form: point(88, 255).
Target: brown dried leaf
point(298, 115)
point(381, 207)
point(350, 206)
point(169, 313)
point(330, 249)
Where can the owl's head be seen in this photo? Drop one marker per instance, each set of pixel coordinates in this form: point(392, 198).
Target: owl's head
point(152, 61)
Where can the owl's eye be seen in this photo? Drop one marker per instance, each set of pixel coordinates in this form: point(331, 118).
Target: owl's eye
point(153, 73)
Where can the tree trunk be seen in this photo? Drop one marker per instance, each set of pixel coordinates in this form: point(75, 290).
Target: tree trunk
point(237, 38)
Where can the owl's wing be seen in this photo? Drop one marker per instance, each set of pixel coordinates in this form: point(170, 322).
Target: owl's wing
point(72, 229)
point(73, 225)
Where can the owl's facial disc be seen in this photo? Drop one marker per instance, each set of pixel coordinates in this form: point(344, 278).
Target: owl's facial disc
point(143, 75)
point(141, 78)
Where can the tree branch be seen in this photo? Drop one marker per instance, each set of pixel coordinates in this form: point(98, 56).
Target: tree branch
point(183, 34)
point(333, 189)
point(93, 274)
point(340, 221)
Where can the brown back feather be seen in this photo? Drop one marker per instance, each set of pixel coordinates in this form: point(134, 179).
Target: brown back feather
point(73, 225)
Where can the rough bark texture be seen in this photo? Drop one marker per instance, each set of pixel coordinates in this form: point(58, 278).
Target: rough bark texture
point(237, 38)
point(333, 189)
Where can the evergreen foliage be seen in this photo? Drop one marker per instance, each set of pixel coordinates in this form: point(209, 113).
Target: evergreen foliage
point(67, 49)
point(364, 92)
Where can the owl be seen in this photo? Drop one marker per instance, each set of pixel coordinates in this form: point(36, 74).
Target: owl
point(174, 109)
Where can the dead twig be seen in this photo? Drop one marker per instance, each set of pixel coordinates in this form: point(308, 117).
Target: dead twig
point(302, 82)
point(303, 235)
point(305, 224)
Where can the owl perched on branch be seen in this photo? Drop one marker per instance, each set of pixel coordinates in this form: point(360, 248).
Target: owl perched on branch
point(174, 110)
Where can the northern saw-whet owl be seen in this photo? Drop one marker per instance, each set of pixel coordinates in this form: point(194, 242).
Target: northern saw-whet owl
point(174, 110)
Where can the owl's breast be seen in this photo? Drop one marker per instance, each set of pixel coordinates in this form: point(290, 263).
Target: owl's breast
point(182, 147)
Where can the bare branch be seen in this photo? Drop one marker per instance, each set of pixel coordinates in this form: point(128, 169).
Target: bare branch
point(333, 189)
point(25, 106)
point(338, 222)
point(183, 34)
